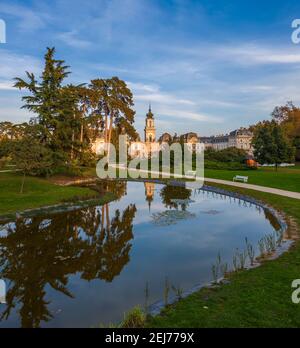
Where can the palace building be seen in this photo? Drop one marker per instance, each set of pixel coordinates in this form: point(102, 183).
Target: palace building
point(240, 138)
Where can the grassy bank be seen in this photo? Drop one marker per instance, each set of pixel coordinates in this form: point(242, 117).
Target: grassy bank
point(37, 193)
point(258, 297)
point(284, 178)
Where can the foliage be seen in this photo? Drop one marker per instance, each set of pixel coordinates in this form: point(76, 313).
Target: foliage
point(69, 117)
point(230, 154)
point(288, 116)
point(135, 318)
point(227, 165)
point(271, 145)
point(31, 157)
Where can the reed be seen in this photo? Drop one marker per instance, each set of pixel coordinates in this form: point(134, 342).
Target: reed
point(147, 295)
point(235, 260)
point(178, 292)
point(242, 256)
point(250, 251)
point(166, 291)
point(224, 269)
point(261, 246)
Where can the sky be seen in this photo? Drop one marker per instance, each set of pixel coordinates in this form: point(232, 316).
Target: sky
point(205, 66)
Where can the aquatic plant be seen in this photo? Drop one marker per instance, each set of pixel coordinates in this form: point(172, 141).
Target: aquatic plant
point(178, 292)
point(215, 268)
point(147, 292)
point(171, 217)
point(261, 246)
point(215, 272)
point(279, 235)
point(250, 251)
point(135, 318)
point(235, 260)
point(224, 268)
point(166, 291)
point(242, 256)
point(270, 243)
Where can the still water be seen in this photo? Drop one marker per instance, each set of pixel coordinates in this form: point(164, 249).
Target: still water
point(87, 267)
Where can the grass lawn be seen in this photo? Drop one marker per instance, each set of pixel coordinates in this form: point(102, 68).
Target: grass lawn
point(284, 178)
point(37, 193)
point(259, 297)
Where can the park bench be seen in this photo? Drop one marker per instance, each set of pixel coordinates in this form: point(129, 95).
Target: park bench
point(190, 173)
point(240, 178)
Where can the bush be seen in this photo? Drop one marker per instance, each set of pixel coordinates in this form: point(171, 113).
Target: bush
point(67, 170)
point(231, 154)
point(135, 318)
point(225, 165)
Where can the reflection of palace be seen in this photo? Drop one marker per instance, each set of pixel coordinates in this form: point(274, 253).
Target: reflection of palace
point(149, 192)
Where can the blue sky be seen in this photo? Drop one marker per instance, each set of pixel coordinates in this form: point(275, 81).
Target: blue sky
point(206, 66)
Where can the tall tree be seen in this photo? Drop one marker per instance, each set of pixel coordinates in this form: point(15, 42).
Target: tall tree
point(288, 117)
point(271, 146)
point(114, 101)
point(47, 99)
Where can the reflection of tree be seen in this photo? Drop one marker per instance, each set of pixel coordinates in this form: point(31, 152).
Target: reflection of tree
point(169, 193)
point(108, 251)
point(118, 188)
point(272, 219)
point(33, 255)
point(40, 252)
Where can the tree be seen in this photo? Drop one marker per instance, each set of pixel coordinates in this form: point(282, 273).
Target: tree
point(31, 158)
point(288, 117)
point(113, 101)
point(271, 145)
point(48, 100)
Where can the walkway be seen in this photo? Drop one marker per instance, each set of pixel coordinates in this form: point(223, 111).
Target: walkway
point(275, 191)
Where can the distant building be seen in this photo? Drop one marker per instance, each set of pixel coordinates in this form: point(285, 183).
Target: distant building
point(240, 138)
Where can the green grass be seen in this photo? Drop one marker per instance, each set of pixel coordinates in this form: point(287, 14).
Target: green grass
point(259, 297)
point(284, 178)
point(37, 193)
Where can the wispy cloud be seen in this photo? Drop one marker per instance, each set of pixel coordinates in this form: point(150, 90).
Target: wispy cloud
point(13, 64)
point(184, 116)
point(28, 20)
point(72, 39)
point(7, 86)
point(258, 54)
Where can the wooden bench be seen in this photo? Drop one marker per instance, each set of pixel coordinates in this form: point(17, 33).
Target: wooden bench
point(240, 178)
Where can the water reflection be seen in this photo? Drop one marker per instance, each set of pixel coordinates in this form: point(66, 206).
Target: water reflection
point(49, 261)
point(38, 252)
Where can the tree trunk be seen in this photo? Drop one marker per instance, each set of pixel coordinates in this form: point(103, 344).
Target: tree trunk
point(22, 185)
point(73, 138)
point(109, 135)
point(102, 218)
point(107, 219)
point(81, 129)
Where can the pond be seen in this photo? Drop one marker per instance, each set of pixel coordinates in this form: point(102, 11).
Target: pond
point(87, 267)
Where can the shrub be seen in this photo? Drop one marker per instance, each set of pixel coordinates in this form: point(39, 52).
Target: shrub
point(231, 154)
point(135, 318)
point(225, 165)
